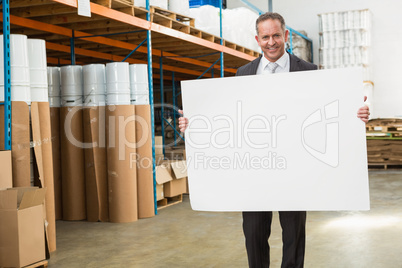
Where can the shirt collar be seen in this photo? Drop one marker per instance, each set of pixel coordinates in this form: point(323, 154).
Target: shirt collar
point(282, 61)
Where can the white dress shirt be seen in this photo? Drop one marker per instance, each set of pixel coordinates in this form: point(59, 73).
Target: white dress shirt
point(283, 65)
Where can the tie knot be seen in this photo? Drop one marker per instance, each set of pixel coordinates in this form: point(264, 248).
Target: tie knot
point(272, 66)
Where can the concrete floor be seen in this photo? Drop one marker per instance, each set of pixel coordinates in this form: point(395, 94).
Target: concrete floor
point(180, 237)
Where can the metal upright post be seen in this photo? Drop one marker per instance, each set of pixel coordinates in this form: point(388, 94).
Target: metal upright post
point(151, 103)
point(162, 102)
point(7, 75)
point(72, 49)
point(174, 107)
point(221, 31)
point(291, 42)
point(270, 5)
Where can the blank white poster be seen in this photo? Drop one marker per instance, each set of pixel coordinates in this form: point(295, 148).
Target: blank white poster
point(283, 142)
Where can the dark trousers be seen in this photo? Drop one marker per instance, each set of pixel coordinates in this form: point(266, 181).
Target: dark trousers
point(257, 229)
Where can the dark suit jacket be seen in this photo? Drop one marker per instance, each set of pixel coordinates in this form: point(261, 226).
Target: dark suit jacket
point(296, 65)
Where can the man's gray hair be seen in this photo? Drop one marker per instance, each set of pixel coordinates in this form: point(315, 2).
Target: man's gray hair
point(270, 16)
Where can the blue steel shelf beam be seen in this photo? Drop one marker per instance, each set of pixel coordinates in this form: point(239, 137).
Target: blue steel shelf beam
point(151, 103)
point(175, 95)
point(72, 43)
point(174, 113)
point(135, 49)
point(72, 50)
point(7, 75)
point(210, 68)
point(162, 101)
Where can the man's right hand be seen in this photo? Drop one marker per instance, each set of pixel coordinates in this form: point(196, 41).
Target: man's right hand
point(183, 122)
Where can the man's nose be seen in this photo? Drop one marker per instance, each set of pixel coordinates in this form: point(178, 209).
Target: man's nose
point(271, 41)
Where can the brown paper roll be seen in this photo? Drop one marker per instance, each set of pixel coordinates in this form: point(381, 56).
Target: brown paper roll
point(122, 183)
point(41, 136)
point(20, 142)
point(55, 130)
point(72, 163)
point(145, 180)
point(95, 164)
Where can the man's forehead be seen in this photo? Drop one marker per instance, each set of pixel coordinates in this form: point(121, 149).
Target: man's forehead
point(271, 27)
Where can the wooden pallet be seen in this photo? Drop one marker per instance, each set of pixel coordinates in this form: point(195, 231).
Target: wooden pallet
point(174, 16)
point(125, 6)
point(41, 264)
point(384, 166)
point(171, 20)
point(385, 125)
point(170, 201)
point(114, 3)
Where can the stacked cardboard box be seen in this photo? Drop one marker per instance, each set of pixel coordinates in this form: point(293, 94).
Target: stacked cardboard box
point(35, 120)
point(22, 226)
point(171, 178)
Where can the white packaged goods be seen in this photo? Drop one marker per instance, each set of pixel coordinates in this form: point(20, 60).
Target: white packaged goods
point(179, 6)
point(37, 62)
point(53, 80)
point(71, 80)
point(118, 98)
point(240, 24)
point(94, 79)
point(19, 65)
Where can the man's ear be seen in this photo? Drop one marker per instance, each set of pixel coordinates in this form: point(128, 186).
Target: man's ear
point(256, 38)
point(286, 35)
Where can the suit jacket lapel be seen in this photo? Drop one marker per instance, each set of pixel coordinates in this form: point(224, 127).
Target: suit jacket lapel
point(254, 66)
point(294, 63)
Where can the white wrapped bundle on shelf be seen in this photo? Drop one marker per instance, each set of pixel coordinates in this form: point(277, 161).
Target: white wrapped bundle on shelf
point(71, 85)
point(179, 6)
point(240, 23)
point(94, 85)
point(19, 67)
point(38, 70)
point(117, 83)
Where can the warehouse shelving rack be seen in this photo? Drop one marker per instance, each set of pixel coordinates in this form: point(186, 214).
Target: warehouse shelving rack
point(117, 29)
point(7, 75)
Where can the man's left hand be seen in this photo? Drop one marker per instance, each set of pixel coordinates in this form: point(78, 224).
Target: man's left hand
point(363, 113)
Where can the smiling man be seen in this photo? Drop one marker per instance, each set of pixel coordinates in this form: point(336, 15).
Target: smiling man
point(272, 37)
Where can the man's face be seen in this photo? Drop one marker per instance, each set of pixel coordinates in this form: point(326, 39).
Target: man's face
point(272, 39)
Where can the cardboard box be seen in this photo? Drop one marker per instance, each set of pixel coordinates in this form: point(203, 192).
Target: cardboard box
point(158, 145)
point(178, 171)
point(6, 174)
point(159, 192)
point(20, 142)
point(162, 176)
point(22, 228)
point(159, 158)
point(42, 142)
